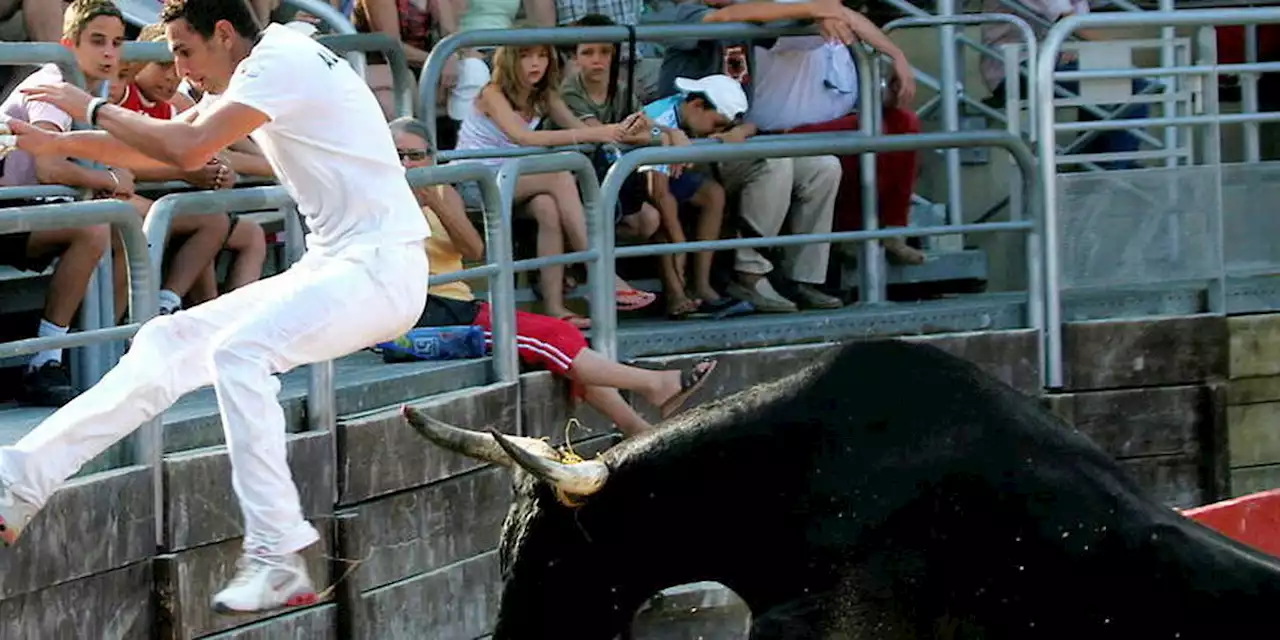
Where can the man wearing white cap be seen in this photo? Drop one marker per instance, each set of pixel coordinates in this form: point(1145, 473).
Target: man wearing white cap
point(797, 192)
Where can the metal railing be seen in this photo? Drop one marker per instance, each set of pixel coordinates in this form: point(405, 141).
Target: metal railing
point(141, 13)
point(868, 124)
point(950, 99)
point(39, 53)
point(148, 440)
point(320, 394)
point(401, 78)
point(604, 316)
point(556, 36)
point(498, 254)
point(1045, 74)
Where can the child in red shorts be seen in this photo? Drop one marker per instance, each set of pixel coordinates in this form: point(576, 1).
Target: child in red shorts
point(544, 341)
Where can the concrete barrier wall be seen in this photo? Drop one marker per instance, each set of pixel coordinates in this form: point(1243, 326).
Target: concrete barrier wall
point(1253, 399)
point(410, 530)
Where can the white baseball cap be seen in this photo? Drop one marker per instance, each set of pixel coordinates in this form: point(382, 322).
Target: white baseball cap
point(724, 93)
point(473, 74)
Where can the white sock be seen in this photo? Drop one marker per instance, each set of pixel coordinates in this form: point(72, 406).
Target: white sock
point(47, 330)
point(169, 301)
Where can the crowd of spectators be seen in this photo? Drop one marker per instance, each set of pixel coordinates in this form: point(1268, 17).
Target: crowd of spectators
point(499, 97)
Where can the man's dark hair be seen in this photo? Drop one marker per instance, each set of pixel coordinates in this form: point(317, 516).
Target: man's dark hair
point(594, 20)
point(202, 15)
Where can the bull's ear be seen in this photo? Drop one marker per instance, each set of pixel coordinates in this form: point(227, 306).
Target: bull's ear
point(467, 442)
point(580, 480)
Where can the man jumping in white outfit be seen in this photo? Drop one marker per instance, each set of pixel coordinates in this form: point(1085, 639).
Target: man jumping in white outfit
point(362, 280)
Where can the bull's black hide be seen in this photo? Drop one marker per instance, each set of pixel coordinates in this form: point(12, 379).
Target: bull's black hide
point(894, 491)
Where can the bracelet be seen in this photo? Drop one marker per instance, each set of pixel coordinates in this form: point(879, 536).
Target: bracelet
point(115, 179)
point(91, 113)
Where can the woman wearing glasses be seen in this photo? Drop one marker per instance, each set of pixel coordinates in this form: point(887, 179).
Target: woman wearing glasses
point(541, 340)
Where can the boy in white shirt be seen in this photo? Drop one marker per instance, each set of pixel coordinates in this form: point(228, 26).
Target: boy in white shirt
point(364, 252)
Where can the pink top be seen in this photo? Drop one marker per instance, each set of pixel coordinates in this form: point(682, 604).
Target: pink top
point(19, 166)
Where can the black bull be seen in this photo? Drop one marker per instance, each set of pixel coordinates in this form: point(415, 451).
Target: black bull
point(888, 491)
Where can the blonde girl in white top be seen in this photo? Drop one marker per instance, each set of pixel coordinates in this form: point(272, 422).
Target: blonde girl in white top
point(522, 91)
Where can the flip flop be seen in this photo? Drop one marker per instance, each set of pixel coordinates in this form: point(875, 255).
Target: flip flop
point(684, 309)
point(690, 381)
point(633, 300)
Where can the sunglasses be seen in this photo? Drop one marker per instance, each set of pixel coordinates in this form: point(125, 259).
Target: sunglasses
point(413, 155)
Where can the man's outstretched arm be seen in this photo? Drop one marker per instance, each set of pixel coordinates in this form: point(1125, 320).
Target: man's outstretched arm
point(187, 143)
point(183, 144)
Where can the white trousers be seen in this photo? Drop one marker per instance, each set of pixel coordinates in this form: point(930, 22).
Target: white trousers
point(324, 307)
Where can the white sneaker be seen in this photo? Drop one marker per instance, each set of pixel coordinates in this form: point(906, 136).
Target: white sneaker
point(265, 582)
point(15, 514)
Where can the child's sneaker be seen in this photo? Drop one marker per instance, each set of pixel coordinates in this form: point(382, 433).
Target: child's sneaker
point(265, 582)
point(15, 514)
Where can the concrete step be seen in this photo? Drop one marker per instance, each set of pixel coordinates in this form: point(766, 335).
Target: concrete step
point(941, 266)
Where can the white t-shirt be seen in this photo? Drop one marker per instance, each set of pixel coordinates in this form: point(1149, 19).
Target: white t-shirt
point(328, 143)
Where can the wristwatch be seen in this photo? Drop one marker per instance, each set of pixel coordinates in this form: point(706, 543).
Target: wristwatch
point(655, 136)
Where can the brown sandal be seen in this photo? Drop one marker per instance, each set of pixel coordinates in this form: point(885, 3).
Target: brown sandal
point(690, 381)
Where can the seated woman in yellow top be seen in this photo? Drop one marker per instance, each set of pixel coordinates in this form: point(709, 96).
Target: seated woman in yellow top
point(541, 340)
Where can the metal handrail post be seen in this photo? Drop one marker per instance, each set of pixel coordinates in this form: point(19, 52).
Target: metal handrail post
point(949, 77)
point(1212, 146)
point(1249, 96)
point(498, 253)
point(401, 78)
point(603, 313)
point(1049, 50)
point(871, 268)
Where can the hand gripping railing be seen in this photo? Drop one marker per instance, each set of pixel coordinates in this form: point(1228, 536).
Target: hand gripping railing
point(604, 316)
point(38, 53)
point(122, 217)
point(1049, 51)
point(574, 35)
point(498, 254)
point(401, 78)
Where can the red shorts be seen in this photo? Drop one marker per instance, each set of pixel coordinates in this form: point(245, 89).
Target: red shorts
point(540, 340)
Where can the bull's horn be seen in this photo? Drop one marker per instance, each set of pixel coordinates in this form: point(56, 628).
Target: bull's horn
point(468, 442)
point(582, 479)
